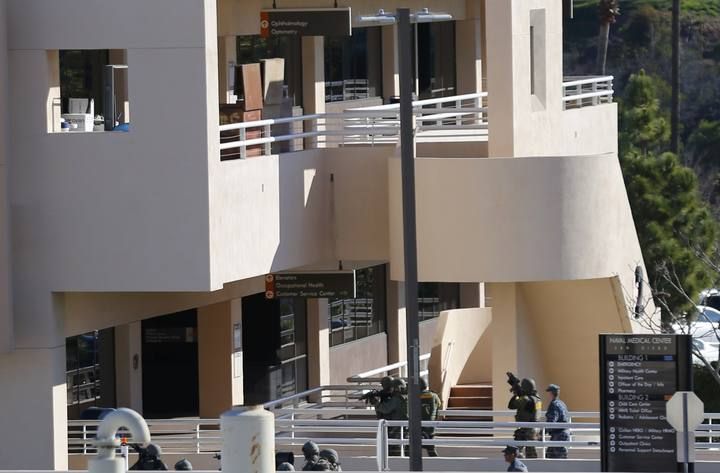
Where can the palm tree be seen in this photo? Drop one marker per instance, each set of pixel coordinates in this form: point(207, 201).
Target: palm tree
point(608, 11)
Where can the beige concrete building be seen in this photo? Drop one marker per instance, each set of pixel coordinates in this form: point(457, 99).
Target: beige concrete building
point(133, 263)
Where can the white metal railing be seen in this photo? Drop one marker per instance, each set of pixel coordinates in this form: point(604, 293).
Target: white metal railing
point(587, 91)
point(366, 125)
point(398, 369)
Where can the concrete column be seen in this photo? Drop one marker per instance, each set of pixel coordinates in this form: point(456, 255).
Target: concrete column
point(227, 55)
point(390, 73)
point(119, 57)
point(6, 321)
point(468, 40)
point(313, 61)
point(238, 397)
point(318, 342)
point(215, 358)
point(396, 322)
point(53, 105)
point(128, 366)
point(503, 330)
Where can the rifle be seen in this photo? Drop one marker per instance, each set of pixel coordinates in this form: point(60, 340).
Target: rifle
point(514, 383)
point(375, 394)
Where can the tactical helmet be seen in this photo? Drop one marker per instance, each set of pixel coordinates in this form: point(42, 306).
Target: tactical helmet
point(310, 448)
point(285, 466)
point(330, 455)
point(386, 383)
point(423, 384)
point(183, 465)
point(153, 450)
point(528, 385)
point(399, 384)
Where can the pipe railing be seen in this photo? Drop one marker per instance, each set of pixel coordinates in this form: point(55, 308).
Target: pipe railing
point(587, 91)
point(399, 369)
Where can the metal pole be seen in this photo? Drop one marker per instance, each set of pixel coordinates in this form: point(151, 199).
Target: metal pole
point(686, 434)
point(407, 154)
point(675, 82)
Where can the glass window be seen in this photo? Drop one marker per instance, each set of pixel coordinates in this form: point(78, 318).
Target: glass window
point(434, 297)
point(251, 49)
point(435, 61)
point(90, 371)
point(353, 66)
point(353, 319)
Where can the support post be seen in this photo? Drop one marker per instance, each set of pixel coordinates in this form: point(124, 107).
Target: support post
point(407, 152)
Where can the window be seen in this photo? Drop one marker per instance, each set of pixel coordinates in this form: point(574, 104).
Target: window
point(353, 66)
point(435, 59)
point(353, 319)
point(434, 297)
point(93, 91)
point(537, 59)
point(90, 371)
point(292, 373)
point(251, 49)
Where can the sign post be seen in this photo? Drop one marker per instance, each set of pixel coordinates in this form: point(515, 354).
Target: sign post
point(685, 411)
point(638, 374)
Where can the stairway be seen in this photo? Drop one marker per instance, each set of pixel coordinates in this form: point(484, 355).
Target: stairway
point(471, 397)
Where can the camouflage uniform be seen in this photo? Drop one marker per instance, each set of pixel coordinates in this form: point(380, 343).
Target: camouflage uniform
point(430, 403)
point(527, 407)
point(557, 412)
point(394, 408)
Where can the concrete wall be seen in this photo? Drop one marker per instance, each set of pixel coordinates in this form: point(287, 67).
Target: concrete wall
point(358, 356)
point(215, 353)
point(6, 320)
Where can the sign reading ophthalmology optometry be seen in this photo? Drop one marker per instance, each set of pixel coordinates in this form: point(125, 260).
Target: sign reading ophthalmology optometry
point(310, 285)
point(638, 375)
point(306, 22)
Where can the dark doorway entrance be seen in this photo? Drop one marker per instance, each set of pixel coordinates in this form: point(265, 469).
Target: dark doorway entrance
point(274, 348)
point(170, 366)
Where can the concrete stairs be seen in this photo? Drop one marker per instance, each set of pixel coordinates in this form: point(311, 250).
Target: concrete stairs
point(470, 397)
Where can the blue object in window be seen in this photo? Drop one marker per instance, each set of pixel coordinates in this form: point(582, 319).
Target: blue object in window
point(122, 127)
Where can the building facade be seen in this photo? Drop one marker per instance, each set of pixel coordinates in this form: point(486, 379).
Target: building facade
point(134, 247)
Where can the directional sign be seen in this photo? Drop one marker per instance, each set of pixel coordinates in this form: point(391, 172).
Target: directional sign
point(695, 411)
point(306, 22)
point(310, 285)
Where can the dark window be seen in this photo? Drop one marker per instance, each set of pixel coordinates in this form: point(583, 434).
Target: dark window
point(90, 371)
point(251, 49)
point(81, 76)
point(434, 297)
point(435, 62)
point(353, 66)
point(352, 319)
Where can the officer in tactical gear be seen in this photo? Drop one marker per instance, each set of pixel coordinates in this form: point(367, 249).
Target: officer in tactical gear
point(394, 408)
point(183, 465)
point(377, 396)
point(430, 404)
point(527, 405)
point(511, 454)
point(557, 411)
point(313, 462)
point(332, 457)
point(148, 458)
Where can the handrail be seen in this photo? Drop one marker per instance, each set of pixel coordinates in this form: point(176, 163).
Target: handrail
point(383, 369)
point(588, 80)
point(446, 361)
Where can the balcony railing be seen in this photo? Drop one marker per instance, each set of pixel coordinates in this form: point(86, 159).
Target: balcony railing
point(587, 91)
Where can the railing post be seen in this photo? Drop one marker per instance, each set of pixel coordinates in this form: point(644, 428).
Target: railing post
point(578, 89)
point(438, 122)
point(458, 117)
point(381, 446)
point(544, 450)
point(595, 99)
point(197, 438)
point(243, 148)
point(84, 437)
point(402, 441)
point(268, 134)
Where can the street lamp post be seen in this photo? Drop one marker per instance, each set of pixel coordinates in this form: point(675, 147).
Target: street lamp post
point(407, 158)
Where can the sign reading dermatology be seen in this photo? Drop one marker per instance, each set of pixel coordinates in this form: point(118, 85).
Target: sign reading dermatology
point(638, 374)
point(340, 285)
point(306, 22)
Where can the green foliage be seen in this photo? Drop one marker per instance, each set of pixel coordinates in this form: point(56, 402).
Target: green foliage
point(706, 388)
point(672, 220)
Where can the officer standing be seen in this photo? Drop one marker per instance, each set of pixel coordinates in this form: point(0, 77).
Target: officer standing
point(527, 405)
point(511, 454)
point(430, 404)
point(557, 412)
point(393, 408)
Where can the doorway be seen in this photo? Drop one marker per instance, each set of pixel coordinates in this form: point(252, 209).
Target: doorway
point(274, 348)
point(170, 366)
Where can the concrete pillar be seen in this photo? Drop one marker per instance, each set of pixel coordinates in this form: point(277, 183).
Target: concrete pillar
point(216, 339)
point(318, 342)
point(6, 321)
point(34, 394)
point(468, 40)
point(53, 104)
point(396, 322)
point(119, 57)
point(128, 366)
point(227, 57)
point(390, 73)
point(313, 61)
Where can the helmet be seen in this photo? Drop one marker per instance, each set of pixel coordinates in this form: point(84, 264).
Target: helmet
point(330, 455)
point(528, 385)
point(399, 384)
point(423, 384)
point(183, 465)
point(153, 450)
point(285, 466)
point(310, 448)
point(386, 383)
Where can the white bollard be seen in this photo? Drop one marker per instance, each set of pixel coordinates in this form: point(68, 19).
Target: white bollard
point(107, 442)
point(248, 440)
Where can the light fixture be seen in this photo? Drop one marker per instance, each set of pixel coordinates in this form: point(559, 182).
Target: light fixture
point(423, 15)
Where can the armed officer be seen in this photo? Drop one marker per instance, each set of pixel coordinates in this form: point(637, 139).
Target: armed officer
point(557, 411)
point(313, 462)
point(393, 408)
point(527, 405)
point(430, 404)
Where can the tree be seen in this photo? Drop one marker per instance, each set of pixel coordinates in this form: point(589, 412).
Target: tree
point(608, 11)
point(673, 222)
